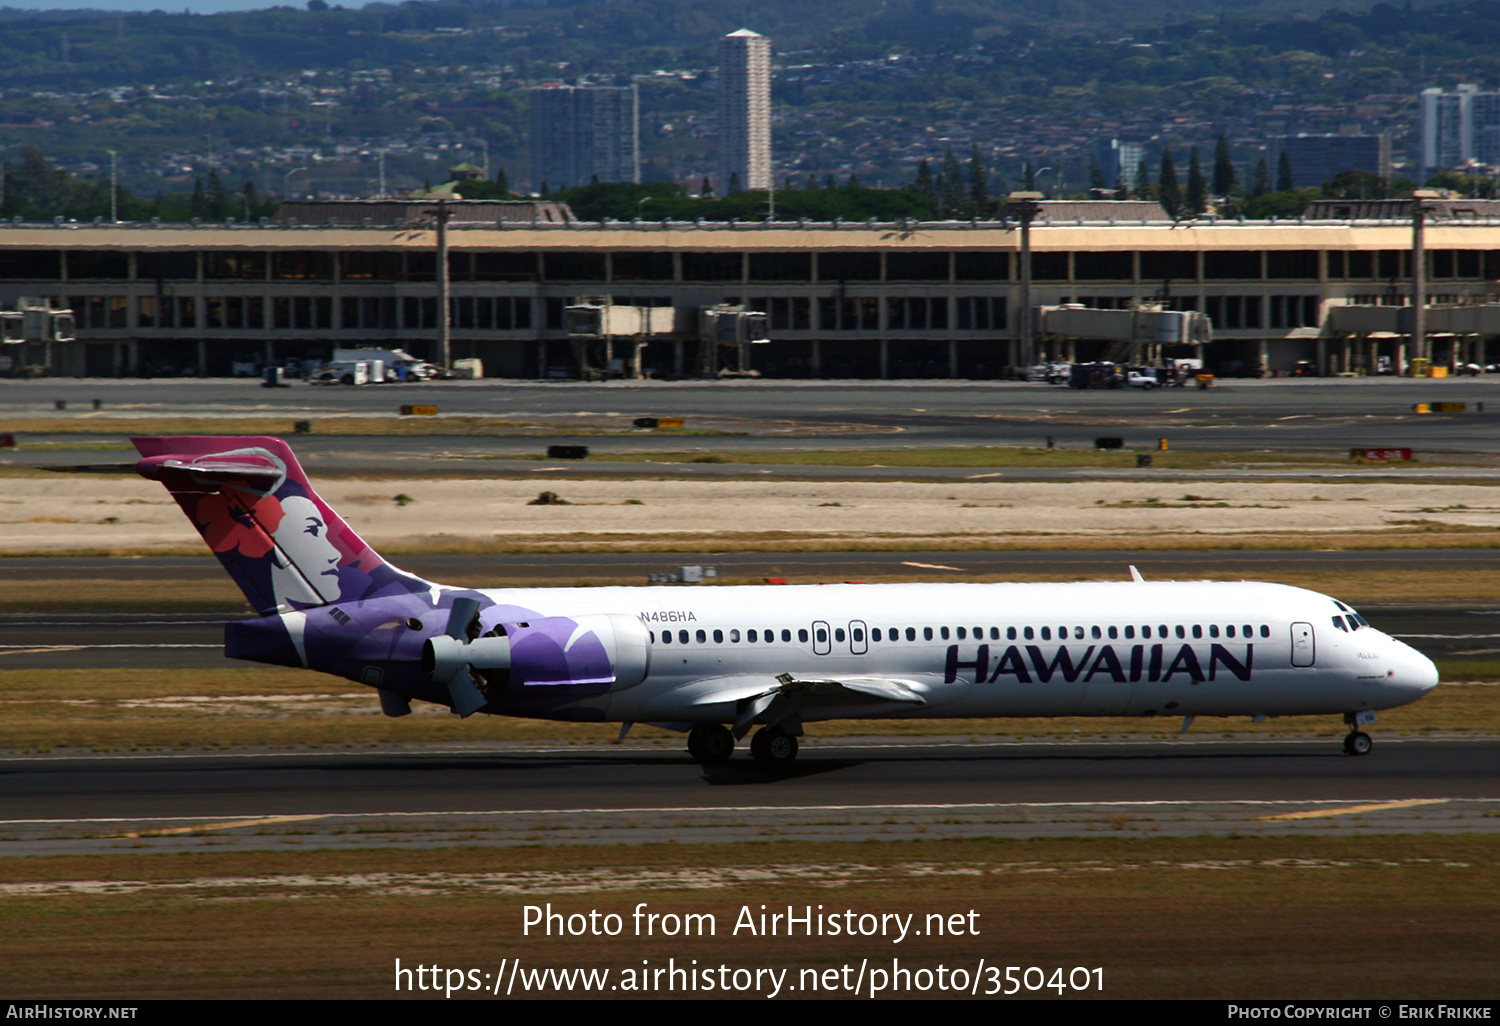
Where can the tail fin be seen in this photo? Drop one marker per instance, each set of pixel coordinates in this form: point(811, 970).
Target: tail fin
point(250, 500)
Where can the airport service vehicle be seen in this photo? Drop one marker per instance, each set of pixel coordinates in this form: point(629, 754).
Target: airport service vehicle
point(1141, 378)
point(717, 662)
point(398, 364)
point(349, 372)
point(1051, 373)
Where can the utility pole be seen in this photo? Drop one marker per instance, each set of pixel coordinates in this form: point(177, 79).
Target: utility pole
point(1024, 206)
point(1419, 274)
point(382, 174)
point(445, 349)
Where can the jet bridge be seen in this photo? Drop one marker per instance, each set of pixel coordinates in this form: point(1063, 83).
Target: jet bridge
point(1135, 335)
point(1362, 330)
point(607, 338)
point(27, 334)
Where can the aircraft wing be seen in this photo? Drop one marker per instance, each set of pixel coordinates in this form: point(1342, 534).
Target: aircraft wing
point(768, 700)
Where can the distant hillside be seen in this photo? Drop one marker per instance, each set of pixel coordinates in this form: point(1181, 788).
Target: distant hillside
point(104, 48)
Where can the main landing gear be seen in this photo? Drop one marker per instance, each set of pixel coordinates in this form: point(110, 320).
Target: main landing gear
point(712, 744)
point(772, 746)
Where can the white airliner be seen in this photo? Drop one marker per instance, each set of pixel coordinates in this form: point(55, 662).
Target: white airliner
point(718, 662)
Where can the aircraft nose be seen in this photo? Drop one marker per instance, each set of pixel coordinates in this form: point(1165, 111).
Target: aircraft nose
point(1413, 670)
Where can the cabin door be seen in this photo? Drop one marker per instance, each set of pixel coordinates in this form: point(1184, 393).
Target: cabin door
point(1304, 645)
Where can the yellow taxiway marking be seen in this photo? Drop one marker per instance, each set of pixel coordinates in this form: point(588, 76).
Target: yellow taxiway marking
point(933, 566)
point(232, 824)
point(1349, 810)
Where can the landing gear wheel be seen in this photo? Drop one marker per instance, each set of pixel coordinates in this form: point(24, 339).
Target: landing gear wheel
point(1358, 743)
point(772, 746)
point(710, 743)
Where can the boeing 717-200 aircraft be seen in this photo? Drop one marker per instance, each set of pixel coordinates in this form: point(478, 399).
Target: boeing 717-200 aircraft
point(719, 662)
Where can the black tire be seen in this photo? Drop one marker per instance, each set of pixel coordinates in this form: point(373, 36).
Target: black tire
point(714, 744)
point(772, 746)
point(347, 379)
point(1358, 743)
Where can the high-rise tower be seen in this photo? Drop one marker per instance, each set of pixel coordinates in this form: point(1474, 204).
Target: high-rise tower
point(579, 133)
point(744, 111)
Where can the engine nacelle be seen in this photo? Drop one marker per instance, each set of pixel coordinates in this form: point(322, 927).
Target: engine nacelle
point(602, 651)
point(442, 656)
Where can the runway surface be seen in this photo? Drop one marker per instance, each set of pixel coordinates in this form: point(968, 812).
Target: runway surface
point(848, 790)
point(1313, 415)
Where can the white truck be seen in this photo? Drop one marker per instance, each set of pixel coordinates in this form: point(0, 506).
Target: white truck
point(398, 364)
point(350, 372)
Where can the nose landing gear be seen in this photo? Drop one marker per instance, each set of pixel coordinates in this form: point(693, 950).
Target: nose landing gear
point(1357, 742)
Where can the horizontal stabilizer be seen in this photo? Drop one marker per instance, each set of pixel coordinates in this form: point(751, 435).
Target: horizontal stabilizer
point(253, 470)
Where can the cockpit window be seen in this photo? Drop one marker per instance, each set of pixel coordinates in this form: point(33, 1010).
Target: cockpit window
point(1338, 621)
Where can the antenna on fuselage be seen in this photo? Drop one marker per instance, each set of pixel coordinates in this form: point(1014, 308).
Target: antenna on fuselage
point(1135, 575)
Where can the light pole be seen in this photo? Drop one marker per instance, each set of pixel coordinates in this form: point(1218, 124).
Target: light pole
point(1419, 274)
point(1024, 206)
point(114, 186)
point(286, 192)
point(445, 343)
point(1037, 174)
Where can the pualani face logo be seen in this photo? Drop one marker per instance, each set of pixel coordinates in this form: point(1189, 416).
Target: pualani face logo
point(1141, 662)
point(256, 510)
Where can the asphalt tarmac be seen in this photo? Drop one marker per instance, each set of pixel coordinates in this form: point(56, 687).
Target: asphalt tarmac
point(849, 789)
point(1325, 416)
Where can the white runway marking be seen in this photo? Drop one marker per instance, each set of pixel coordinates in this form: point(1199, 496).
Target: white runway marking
point(18, 649)
point(228, 822)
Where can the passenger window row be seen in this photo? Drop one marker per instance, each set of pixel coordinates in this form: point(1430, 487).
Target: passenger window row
point(1077, 633)
point(732, 636)
point(1063, 633)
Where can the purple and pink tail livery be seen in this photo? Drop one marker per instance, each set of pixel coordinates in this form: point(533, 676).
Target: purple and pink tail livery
point(251, 502)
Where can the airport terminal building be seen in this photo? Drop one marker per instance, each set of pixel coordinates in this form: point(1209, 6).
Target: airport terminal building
point(902, 300)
